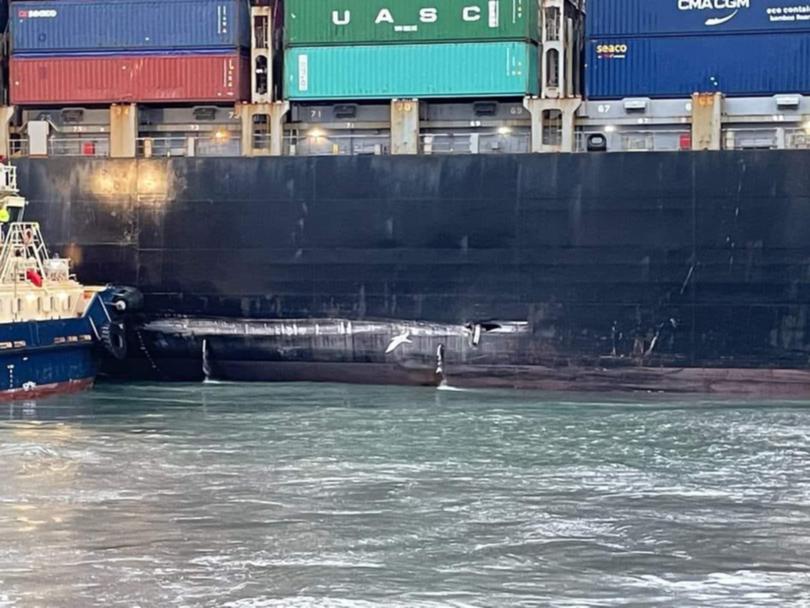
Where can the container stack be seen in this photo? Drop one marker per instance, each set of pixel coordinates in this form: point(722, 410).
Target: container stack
point(383, 49)
point(108, 51)
point(673, 49)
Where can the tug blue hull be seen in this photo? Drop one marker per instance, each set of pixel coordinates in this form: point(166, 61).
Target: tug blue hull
point(54, 356)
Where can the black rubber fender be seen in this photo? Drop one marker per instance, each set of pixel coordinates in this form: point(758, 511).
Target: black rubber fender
point(130, 296)
point(114, 339)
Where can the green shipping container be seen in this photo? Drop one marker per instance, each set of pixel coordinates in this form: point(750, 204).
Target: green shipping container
point(344, 22)
point(488, 69)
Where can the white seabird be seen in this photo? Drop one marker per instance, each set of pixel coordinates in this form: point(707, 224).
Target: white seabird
point(403, 338)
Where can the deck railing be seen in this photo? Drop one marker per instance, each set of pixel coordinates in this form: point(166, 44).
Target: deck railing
point(179, 145)
point(75, 146)
point(335, 144)
point(444, 142)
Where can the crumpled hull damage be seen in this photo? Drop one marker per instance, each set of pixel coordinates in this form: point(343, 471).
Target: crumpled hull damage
point(476, 355)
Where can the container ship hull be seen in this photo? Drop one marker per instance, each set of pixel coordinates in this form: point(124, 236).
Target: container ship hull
point(657, 271)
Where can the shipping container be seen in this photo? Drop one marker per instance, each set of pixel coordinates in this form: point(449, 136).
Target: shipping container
point(679, 17)
point(737, 65)
point(76, 26)
point(489, 69)
point(346, 22)
point(182, 78)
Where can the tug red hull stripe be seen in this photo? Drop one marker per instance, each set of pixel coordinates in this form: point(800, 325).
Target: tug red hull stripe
point(46, 390)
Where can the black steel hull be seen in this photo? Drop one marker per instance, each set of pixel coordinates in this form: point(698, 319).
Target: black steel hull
point(658, 261)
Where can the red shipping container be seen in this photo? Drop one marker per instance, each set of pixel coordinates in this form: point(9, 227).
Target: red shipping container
point(222, 77)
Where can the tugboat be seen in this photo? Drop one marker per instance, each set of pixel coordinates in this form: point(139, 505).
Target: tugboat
point(51, 326)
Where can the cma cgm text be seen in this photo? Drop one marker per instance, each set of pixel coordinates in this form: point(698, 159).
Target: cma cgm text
point(426, 15)
point(702, 5)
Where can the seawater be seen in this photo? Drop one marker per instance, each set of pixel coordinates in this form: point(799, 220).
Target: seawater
point(321, 495)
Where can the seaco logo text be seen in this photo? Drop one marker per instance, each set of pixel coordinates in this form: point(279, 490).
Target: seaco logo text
point(47, 13)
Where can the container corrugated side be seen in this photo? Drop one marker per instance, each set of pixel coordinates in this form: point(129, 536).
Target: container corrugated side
point(738, 65)
point(215, 77)
point(345, 22)
point(489, 69)
point(67, 26)
point(679, 17)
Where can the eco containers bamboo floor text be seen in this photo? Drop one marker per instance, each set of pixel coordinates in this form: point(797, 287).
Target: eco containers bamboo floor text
point(382, 49)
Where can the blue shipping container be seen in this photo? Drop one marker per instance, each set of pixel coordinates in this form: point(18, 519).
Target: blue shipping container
point(656, 17)
point(76, 26)
point(737, 65)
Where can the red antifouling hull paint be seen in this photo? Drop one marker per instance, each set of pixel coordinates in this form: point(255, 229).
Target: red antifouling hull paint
point(130, 78)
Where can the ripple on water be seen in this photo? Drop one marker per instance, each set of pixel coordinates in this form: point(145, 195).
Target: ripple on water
point(281, 495)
